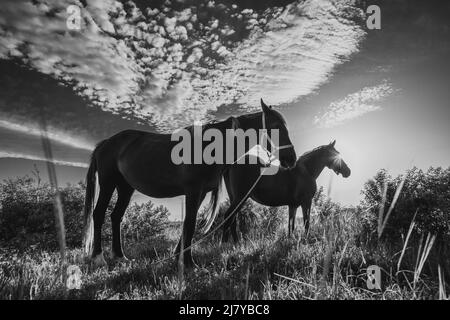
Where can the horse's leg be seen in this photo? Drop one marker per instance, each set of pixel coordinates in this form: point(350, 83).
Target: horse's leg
point(227, 224)
point(306, 209)
point(291, 225)
point(234, 208)
point(233, 227)
point(226, 230)
point(239, 190)
point(124, 191)
point(105, 194)
point(193, 201)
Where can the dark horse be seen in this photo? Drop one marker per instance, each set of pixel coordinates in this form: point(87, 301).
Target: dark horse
point(293, 187)
point(137, 160)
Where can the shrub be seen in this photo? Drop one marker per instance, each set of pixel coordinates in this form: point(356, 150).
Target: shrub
point(252, 220)
point(144, 221)
point(425, 195)
point(27, 216)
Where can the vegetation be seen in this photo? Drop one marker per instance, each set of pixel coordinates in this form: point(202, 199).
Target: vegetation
point(401, 225)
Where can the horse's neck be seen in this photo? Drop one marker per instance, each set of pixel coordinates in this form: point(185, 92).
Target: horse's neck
point(314, 164)
point(252, 120)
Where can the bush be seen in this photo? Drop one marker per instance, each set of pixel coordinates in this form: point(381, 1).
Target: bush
point(252, 220)
point(27, 213)
point(144, 221)
point(27, 216)
point(425, 195)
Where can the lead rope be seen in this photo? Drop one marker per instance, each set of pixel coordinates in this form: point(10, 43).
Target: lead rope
point(219, 225)
point(242, 200)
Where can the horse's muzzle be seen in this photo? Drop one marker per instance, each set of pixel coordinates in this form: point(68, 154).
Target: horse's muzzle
point(346, 173)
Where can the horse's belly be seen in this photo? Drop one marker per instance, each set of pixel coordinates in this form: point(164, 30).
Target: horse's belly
point(159, 179)
point(158, 182)
point(268, 201)
point(160, 191)
point(164, 179)
point(271, 193)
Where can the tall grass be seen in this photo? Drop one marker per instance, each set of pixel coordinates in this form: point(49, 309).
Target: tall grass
point(271, 267)
point(329, 263)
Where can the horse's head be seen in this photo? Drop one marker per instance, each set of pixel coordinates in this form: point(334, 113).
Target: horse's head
point(335, 162)
point(272, 119)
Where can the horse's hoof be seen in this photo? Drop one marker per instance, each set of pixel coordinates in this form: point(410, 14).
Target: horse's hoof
point(99, 261)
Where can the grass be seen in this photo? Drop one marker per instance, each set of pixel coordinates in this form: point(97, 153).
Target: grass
point(329, 264)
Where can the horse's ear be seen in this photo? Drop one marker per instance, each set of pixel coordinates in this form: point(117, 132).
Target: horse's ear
point(264, 106)
point(333, 143)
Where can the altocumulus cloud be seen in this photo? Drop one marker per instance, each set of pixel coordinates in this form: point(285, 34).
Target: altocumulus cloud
point(174, 66)
point(52, 134)
point(5, 154)
point(354, 105)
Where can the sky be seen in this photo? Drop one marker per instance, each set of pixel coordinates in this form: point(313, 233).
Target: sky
point(160, 65)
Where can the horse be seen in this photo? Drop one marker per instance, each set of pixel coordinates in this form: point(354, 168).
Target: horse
point(293, 187)
point(138, 160)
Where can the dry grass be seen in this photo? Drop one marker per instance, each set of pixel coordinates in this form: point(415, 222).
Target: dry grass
point(327, 265)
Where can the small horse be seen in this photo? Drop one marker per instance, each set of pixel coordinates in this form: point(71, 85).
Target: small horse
point(137, 160)
point(293, 187)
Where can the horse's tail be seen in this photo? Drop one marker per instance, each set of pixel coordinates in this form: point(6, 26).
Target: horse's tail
point(89, 204)
point(210, 212)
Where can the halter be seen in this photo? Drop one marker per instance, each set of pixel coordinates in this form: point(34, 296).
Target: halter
point(260, 148)
point(233, 213)
point(272, 144)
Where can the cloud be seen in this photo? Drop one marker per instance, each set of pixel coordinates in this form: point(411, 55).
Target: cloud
point(354, 105)
point(53, 134)
point(293, 53)
point(4, 154)
point(101, 65)
point(172, 67)
point(27, 144)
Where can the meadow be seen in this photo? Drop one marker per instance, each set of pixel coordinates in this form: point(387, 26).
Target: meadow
point(402, 226)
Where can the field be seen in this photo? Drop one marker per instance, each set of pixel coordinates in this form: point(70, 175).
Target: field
point(331, 263)
point(273, 267)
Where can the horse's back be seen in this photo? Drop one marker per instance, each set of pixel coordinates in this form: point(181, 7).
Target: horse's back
point(144, 160)
point(130, 134)
point(143, 157)
point(121, 145)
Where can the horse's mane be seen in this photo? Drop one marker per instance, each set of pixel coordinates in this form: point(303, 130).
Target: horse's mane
point(308, 154)
point(214, 122)
point(210, 124)
point(249, 116)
